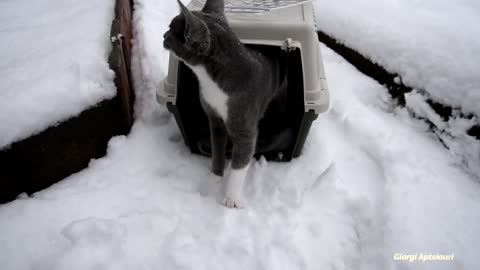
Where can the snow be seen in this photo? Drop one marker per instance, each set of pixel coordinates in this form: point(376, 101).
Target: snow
point(372, 182)
point(452, 133)
point(54, 62)
point(432, 44)
point(421, 108)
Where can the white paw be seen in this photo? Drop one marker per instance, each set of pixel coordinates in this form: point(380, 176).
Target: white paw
point(234, 202)
point(234, 188)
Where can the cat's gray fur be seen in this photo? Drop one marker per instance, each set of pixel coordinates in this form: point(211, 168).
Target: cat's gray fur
point(249, 79)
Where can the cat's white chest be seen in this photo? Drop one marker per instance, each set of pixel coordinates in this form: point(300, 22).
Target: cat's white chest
point(215, 97)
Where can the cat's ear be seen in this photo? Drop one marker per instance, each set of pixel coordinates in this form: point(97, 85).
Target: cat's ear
point(214, 6)
point(197, 35)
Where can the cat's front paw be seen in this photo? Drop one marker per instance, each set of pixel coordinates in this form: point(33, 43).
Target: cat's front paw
point(234, 202)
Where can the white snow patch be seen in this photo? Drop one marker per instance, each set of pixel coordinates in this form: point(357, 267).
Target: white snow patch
point(397, 80)
point(453, 132)
point(417, 103)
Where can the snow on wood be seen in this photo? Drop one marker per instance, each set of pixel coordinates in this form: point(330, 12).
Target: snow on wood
point(431, 44)
point(54, 63)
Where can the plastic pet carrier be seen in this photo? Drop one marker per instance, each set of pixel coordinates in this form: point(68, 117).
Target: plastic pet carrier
point(283, 29)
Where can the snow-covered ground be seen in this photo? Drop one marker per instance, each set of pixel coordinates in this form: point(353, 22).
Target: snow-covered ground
point(372, 182)
point(53, 62)
point(432, 44)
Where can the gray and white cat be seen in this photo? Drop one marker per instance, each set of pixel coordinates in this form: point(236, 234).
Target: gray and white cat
point(236, 86)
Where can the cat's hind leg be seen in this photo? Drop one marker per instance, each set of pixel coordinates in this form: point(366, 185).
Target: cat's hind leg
point(242, 152)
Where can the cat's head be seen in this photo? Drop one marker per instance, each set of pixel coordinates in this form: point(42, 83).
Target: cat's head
point(189, 36)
